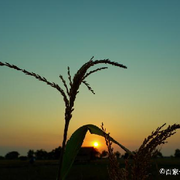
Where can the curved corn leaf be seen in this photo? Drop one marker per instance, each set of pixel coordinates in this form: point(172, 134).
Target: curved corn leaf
point(74, 144)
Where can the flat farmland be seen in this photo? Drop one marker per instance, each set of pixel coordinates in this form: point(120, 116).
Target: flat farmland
point(95, 170)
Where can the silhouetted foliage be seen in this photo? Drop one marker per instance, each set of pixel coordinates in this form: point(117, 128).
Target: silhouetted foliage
point(2, 158)
point(55, 153)
point(95, 153)
point(41, 154)
point(51, 155)
point(23, 158)
point(157, 154)
point(126, 156)
point(12, 155)
point(87, 154)
point(30, 154)
point(177, 153)
point(117, 154)
point(104, 153)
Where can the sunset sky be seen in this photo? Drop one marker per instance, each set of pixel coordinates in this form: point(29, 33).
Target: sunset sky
point(45, 37)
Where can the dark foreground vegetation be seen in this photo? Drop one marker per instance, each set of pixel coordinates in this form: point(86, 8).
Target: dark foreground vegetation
point(94, 170)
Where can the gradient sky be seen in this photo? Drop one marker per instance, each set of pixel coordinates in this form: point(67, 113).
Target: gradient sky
point(45, 37)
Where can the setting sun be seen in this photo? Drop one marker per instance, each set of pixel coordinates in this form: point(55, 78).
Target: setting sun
point(95, 144)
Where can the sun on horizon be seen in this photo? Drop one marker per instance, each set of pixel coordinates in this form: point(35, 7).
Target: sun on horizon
point(95, 144)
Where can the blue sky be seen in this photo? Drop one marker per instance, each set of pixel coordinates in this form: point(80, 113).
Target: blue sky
point(47, 36)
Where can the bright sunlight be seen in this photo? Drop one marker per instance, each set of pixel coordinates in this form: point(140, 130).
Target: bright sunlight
point(95, 144)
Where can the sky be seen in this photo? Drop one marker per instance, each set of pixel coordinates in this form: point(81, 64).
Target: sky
point(46, 37)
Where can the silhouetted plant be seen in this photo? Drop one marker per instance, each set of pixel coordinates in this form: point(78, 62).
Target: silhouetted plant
point(69, 96)
point(177, 153)
point(12, 155)
point(2, 158)
point(117, 154)
point(23, 158)
point(157, 154)
point(139, 168)
point(114, 171)
point(41, 154)
point(104, 153)
point(30, 153)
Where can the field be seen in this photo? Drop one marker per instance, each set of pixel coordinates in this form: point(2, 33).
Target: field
point(95, 170)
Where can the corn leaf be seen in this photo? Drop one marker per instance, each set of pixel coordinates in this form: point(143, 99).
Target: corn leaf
point(74, 144)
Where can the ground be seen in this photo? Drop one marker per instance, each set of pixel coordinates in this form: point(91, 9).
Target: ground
point(95, 170)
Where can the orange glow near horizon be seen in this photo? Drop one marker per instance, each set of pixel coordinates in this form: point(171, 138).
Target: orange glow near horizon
point(95, 141)
point(95, 144)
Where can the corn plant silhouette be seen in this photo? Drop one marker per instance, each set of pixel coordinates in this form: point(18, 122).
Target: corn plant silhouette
point(139, 168)
point(69, 96)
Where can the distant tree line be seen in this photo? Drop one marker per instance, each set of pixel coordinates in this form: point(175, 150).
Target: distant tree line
point(39, 155)
point(55, 154)
point(44, 155)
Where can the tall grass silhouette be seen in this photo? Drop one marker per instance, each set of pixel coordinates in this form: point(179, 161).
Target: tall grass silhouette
point(69, 97)
point(139, 168)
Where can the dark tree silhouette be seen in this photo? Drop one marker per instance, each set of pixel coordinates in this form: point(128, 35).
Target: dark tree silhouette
point(23, 158)
point(95, 153)
point(30, 153)
point(41, 154)
point(126, 155)
point(157, 154)
point(103, 154)
point(1, 157)
point(51, 155)
point(117, 154)
point(86, 154)
point(55, 153)
point(177, 153)
point(12, 155)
